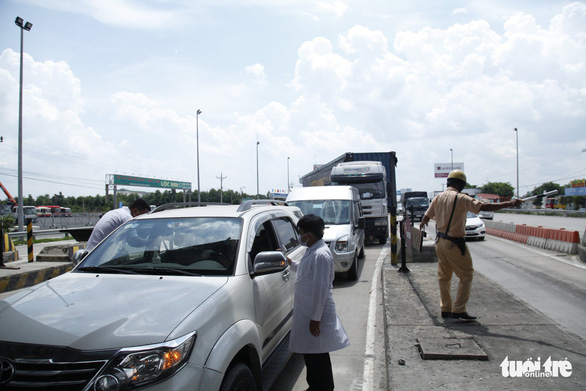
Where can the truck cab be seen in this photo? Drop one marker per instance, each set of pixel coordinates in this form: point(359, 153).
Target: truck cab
point(415, 204)
point(370, 178)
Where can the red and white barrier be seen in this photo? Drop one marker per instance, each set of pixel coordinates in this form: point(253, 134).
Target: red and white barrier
point(546, 238)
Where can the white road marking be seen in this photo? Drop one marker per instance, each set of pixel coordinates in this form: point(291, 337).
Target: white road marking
point(369, 355)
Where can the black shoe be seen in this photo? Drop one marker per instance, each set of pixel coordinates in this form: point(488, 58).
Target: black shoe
point(446, 315)
point(463, 316)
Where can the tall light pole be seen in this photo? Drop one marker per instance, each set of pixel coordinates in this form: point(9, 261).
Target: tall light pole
point(288, 187)
point(26, 26)
point(517, 146)
point(257, 188)
point(197, 113)
point(452, 153)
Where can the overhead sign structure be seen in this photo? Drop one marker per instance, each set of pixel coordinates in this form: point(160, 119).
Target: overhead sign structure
point(442, 170)
point(150, 182)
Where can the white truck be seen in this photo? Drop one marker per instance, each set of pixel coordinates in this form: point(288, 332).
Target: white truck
point(370, 178)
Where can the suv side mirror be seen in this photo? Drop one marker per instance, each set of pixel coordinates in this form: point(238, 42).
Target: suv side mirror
point(78, 256)
point(268, 262)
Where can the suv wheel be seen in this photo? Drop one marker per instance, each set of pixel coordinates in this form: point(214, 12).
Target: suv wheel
point(238, 378)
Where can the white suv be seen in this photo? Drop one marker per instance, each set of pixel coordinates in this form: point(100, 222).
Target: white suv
point(179, 299)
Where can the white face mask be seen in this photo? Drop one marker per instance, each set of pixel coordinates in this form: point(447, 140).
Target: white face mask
point(303, 242)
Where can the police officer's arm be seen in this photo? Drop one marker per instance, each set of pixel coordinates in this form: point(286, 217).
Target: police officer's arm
point(490, 207)
point(424, 221)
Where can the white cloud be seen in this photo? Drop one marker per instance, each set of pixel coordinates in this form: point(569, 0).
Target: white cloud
point(256, 74)
point(130, 14)
point(419, 92)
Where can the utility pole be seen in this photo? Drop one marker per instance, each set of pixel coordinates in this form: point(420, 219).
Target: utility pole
point(221, 178)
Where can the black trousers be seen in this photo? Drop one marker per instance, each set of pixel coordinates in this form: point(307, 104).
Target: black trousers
point(319, 372)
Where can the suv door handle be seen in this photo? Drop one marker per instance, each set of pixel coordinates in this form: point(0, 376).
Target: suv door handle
point(286, 274)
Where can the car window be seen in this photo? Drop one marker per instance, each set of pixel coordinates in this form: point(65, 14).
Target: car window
point(264, 240)
point(199, 245)
point(286, 233)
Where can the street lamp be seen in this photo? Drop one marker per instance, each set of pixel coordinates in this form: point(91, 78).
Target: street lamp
point(288, 187)
point(27, 26)
point(197, 113)
point(257, 188)
point(517, 146)
point(452, 153)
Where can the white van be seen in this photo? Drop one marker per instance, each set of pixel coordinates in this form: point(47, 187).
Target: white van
point(341, 210)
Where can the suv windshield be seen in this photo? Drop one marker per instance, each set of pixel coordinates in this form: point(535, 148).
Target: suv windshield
point(180, 246)
point(331, 211)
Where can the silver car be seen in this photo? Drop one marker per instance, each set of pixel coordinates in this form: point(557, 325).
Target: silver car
point(189, 299)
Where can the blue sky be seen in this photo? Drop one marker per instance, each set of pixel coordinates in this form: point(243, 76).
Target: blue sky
point(112, 87)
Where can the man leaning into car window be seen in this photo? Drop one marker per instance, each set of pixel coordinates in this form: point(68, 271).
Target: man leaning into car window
point(115, 218)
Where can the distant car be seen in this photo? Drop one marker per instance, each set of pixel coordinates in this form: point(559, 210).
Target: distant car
point(66, 212)
point(475, 228)
point(485, 214)
point(400, 208)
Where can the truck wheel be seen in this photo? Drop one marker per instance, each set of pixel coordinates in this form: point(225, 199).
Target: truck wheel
point(353, 271)
point(238, 378)
point(382, 239)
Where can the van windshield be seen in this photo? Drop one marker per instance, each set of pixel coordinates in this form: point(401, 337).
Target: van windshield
point(333, 212)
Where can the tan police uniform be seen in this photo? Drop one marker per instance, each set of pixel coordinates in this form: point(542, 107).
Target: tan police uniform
point(452, 252)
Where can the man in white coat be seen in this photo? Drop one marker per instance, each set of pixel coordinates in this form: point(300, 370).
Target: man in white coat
point(316, 329)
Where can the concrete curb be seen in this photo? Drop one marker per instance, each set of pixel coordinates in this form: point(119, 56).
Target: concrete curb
point(32, 277)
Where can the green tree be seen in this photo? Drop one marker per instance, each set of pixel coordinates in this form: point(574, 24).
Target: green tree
point(500, 188)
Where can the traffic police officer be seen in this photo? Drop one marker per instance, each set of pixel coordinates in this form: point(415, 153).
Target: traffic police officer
point(449, 210)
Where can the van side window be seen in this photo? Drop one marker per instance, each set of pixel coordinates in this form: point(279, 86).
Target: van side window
point(286, 233)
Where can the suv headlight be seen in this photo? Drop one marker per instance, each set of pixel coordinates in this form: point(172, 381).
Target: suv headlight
point(342, 244)
point(137, 366)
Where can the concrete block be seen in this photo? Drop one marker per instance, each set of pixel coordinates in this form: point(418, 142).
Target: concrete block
point(59, 253)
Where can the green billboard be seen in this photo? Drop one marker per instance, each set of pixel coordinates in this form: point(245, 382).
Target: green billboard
point(150, 182)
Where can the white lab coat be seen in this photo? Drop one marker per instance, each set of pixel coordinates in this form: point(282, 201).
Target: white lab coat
point(314, 301)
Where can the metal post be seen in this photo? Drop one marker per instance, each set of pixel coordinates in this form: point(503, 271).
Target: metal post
point(403, 268)
point(29, 239)
point(288, 187)
point(257, 187)
point(517, 146)
point(1, 247)
point(197, 113)
point(20, 211)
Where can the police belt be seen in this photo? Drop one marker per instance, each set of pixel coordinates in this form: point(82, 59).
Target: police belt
point(460, 242)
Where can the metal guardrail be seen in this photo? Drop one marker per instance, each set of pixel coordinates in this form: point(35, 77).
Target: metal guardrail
point(36, 233)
